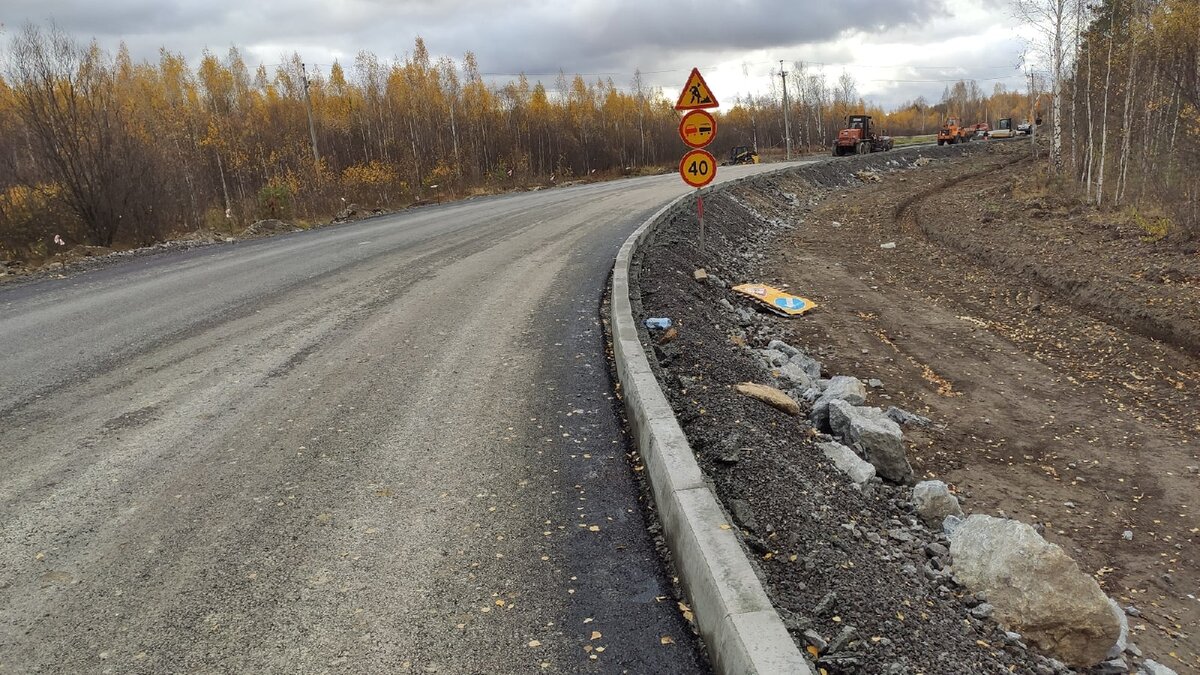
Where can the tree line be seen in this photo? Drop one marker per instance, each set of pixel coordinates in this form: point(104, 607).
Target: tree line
point(1123, 101)
point(99, 149)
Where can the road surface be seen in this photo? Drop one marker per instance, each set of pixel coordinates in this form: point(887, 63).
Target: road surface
point(380, 447)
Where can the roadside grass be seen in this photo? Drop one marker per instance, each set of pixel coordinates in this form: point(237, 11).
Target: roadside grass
point(902, 141)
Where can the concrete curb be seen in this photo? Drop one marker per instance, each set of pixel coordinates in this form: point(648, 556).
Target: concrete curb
point(741, 628)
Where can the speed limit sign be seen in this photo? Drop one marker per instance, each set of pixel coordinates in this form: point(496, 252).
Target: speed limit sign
point(698, 168)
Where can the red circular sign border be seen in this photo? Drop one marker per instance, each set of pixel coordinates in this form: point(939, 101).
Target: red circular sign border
point(711, 136)
point(712, 160)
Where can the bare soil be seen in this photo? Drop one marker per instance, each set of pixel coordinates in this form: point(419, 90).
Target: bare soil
point(1055, 350)
point(1058, 350)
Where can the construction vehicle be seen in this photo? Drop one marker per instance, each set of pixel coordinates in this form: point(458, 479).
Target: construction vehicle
point(1034, 120)
point(979, 130)
point(859, 137)
point(953, 132)
point(741, 154)
point(1004, 129)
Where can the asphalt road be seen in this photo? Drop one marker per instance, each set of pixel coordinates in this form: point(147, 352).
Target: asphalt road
point(379, 447)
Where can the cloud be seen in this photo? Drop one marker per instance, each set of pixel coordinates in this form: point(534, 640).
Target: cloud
point(594, 37)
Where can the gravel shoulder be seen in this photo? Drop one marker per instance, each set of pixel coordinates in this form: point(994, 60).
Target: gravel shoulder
point(1068, 417)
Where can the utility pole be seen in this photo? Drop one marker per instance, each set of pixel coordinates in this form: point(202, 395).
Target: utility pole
point(312, 129)
point(787, 129)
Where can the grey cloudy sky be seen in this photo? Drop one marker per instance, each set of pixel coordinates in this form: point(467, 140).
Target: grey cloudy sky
point(896, 49)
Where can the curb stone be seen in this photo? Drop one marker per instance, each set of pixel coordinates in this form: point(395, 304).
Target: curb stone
point(736, 620)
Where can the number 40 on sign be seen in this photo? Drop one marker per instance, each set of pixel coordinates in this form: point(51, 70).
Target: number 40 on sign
point(698, 168)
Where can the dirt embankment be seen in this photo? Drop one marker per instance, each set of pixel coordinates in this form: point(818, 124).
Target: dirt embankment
point(1054, 351)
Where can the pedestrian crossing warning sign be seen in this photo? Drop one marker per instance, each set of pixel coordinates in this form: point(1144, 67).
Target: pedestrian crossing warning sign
point(696, 95)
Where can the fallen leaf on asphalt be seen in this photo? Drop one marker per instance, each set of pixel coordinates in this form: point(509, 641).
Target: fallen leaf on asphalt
point(588, 620)
point(534, 643)
point(666, 640)
point(594, 528)
point(599, 649)
point(499, 603)
point(725, 526)
point(596, 635)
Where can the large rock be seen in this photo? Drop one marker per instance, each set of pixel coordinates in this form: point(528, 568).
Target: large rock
point(774, 358)
point(879, 437)
point(847, 462)
point(933, 502)
point(781, 346)
point(840, 388)
point(846, 388)
point(810, 365)
point(1037, 589)
point(792, 376)
point(771, 396)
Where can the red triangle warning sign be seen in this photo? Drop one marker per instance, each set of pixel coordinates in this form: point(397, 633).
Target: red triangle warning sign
point(696, 94)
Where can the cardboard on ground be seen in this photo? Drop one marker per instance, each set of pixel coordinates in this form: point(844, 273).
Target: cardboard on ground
point(776, 300)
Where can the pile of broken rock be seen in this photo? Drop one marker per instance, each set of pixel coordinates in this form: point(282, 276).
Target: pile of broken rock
point(1011, 574)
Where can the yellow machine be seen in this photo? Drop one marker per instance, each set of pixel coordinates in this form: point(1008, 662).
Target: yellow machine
point(742, 154)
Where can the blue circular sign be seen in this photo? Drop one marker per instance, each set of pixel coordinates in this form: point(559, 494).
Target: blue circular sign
point(790, 303)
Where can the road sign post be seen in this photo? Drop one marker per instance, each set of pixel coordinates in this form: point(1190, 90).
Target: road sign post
point(697, 128)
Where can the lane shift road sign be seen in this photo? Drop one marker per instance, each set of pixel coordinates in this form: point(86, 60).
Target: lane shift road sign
point(697, 128)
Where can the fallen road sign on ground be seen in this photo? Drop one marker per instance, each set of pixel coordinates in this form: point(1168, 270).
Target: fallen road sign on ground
point(698, 168)
point(696, 94)
point(697, 128)
point(776, 300)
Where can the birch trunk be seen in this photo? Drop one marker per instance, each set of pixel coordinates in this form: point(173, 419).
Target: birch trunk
point(1104, 122)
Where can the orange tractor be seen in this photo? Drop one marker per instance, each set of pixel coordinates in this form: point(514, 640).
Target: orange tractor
point(952, 132)
point(859, 137)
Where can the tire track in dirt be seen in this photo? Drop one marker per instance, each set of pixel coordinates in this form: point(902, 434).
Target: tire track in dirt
point(1087, 295)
